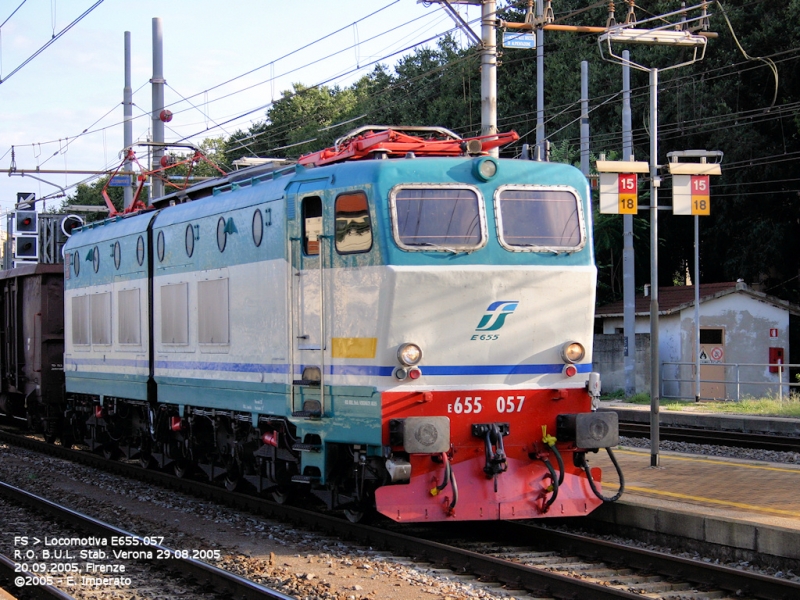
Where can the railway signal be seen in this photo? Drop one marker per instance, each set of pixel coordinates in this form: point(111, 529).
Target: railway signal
point(691, 189)
point(619, 186)
point(26, 228)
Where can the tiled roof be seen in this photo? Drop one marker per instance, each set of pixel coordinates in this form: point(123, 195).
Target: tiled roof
point(670, 298)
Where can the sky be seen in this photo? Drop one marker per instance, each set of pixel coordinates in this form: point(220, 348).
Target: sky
point(75, 85)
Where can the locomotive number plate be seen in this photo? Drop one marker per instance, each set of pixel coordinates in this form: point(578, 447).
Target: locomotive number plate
point(475, 404)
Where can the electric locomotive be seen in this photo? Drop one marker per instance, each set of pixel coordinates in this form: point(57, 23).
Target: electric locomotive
point(401, 323)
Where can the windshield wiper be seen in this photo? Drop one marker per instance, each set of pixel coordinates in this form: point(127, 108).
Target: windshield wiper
point(438, 247)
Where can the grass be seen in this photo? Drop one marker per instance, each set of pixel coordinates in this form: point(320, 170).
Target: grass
point(772, 407)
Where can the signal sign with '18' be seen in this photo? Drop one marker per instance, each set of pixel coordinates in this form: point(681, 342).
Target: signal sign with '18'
point(627, 194)
point(700, 195)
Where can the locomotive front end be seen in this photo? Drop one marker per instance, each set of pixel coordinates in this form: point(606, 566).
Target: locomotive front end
point(492, 409)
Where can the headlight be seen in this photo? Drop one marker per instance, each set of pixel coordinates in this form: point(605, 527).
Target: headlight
point(409, 354)
point(485, 168)
point(572, 352)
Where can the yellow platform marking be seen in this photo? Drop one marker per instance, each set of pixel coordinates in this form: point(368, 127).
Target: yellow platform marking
point(353, 347)
point(715, 462)
point(761, 509)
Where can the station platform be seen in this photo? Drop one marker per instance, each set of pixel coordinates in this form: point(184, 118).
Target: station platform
point(747, 508)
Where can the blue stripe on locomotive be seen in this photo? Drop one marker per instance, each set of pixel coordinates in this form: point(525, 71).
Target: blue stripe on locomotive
point(359, 417)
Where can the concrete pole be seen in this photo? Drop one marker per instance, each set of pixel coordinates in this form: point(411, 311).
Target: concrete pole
point(540, 85)
point(655, 371)
point(127, 105)
point(628, 277)
point(696, 284)
point(585, 118)
point(489, 71)
point(158, 81)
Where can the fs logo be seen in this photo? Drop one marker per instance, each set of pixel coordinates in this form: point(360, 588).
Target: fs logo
point(496, 315)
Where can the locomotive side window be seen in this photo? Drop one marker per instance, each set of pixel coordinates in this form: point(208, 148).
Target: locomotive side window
point(160, 246)
point(353, 227)
point(212, 309)
point(439, 218)
point(539, 219)
point(80, 320)
point(258, 227)
point(312, 224)
point(175, 313)
point(189, 240)
point(140, 251)
point(101, 318)
point(129, 317)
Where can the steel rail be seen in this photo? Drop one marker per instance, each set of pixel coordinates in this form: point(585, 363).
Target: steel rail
point(725, 578)
point(741, 439)
point(487, 567)
point(8, 571)
point(506, 572)
point(234, 585)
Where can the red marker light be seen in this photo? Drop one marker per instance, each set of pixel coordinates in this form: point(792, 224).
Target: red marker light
point(414, 373)
point(570, 370)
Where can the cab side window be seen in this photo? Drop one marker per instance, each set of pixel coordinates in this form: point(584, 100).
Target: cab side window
point(312, 224)
point(353, 226)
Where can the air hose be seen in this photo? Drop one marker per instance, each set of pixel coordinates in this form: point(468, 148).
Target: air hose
point(557, 480)
point(554, 485)
point(550, 440)
point(588, 472)
point(447, 476)
point(454, 485)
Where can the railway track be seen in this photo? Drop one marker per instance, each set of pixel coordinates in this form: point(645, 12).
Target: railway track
point(91, 556)
point(9, 571)
point(558, 566)
point(741, 439)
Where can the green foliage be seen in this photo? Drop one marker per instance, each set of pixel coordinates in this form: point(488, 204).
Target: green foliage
point(724, 102)
point(90, 194)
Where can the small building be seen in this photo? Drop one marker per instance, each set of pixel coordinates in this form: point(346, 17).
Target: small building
point(745, 339)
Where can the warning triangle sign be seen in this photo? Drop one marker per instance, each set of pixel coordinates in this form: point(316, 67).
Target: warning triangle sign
point(703, 355)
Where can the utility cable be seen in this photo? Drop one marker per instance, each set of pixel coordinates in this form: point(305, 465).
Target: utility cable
point(52, 40)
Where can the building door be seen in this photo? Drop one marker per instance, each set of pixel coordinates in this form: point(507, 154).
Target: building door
point(712, 355)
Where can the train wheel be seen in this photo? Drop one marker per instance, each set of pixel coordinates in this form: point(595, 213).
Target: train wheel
point(110, 452)
point(181, 467)
point(145, 459)
point(281, 495)
point(354, 516)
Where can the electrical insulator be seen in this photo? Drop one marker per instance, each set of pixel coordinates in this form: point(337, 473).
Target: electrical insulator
point(165, 115)
point(167, 161)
